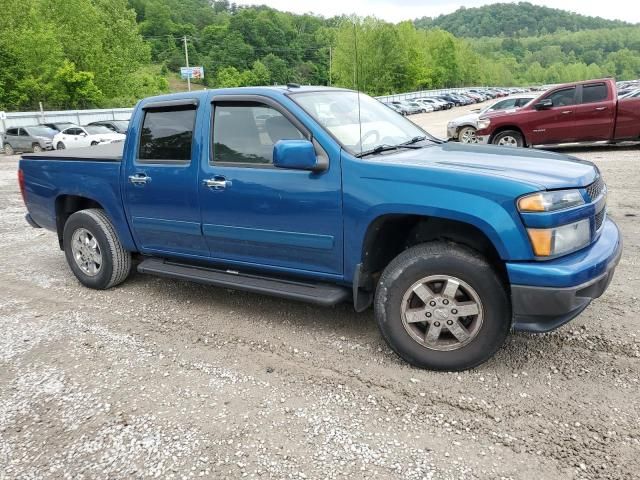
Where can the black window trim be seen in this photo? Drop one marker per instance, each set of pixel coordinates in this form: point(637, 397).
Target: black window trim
point(268, 101)
point(169, 106)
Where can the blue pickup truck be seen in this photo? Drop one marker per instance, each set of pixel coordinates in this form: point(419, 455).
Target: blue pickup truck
point(325, 195)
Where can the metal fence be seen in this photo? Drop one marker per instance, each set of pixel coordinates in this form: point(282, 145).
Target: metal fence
point(80, 117)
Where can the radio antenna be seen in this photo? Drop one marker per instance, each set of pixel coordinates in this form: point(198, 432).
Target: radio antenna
point(357, 75)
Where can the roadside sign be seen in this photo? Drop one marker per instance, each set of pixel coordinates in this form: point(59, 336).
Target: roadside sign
point(191, 72)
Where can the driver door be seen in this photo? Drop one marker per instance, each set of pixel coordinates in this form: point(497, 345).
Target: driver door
point(256, 214)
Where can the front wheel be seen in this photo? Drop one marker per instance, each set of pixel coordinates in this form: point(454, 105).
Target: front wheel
point(36, 148)
point(467, 135)
point(442, 306)
point(60, 146)
point(509, 138)
point(93, 251)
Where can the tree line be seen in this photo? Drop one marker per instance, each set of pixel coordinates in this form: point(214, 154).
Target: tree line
point(104, 53)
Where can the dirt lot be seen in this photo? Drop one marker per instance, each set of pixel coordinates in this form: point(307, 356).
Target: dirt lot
point(166, 379)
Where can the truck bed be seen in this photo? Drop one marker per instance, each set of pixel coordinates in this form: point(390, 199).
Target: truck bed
point(54, 177)
point(110, 152)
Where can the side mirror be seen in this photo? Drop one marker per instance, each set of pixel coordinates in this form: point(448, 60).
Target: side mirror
point(83, 134)
point(297, 155)
point(544, 104)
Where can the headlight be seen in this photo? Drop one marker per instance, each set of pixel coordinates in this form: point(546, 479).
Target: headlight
point(548, 242)
point(550, 201)
point(483, 123)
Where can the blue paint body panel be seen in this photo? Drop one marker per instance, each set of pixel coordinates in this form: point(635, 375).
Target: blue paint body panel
point(314, 224)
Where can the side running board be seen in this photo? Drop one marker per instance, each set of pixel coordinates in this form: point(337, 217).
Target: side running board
point(318, 293)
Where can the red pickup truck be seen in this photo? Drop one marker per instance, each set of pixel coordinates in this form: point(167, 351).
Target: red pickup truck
point(575, 113)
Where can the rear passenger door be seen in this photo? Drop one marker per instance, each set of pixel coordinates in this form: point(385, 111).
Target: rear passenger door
point(161, 181)
point(595, 113)
point(255, 214)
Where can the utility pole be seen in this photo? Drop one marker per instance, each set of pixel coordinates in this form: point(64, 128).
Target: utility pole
point(330, 64)
point(186, 58)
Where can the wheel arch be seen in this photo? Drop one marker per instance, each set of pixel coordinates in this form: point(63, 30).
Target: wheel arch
point(390, 234)
point(68, 204)
point(504, 128)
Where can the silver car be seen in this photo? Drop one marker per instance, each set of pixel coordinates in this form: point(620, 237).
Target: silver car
point(35, 138)
point(464, 128)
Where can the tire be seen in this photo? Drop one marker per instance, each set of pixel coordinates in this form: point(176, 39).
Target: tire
point(449, 264)
point(8, 149)
point(36, 148)
point(60, 146)
point(80, 231)
point(93, 144)
point(508, 138)
point(467, 135)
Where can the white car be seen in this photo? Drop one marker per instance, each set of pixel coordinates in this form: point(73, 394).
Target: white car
point(76, 137)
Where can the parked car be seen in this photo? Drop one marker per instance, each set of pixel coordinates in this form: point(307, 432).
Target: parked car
point(464, 128)
point(410, 107)
point(397, 108)
point(453, 245)
point(34, 138)
point(58, 126)
point(118, 126)
point(631, 94)
point(91, 135)
point(581, 112)
point(436, 103)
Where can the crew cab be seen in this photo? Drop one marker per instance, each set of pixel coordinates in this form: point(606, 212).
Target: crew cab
point(583, 112)
point(327, 196)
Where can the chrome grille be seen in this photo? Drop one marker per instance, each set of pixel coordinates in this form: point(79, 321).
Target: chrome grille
point(599, 219)
point(595, 189)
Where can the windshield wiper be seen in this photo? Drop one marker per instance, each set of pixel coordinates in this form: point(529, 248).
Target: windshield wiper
point(414, 140)
point(386, 148)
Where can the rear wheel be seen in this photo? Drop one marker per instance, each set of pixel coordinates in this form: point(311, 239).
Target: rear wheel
point(442, 306)
point(93, 251)
point(467, 135)
point(508, 138)
point(8, 149)
point(60, 146)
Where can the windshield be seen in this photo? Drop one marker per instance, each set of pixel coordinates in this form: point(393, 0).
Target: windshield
point(40, 131)
point(97, 129)
point(337, 112)
point(121, 124)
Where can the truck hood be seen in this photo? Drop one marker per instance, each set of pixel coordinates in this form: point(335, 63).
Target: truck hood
point(540, 169)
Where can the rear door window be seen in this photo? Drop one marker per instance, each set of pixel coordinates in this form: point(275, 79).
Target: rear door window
point(596, 92)
point(167, 136)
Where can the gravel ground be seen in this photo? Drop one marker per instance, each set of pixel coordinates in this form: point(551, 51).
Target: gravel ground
point(166, 379)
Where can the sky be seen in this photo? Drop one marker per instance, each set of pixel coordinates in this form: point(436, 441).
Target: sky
point(398, 10)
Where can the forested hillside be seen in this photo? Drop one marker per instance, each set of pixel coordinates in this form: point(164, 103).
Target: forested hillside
point(95, 53)
point(514, 19)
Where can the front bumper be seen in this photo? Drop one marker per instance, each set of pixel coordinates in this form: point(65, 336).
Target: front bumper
point(559, 290)
point(452, 132)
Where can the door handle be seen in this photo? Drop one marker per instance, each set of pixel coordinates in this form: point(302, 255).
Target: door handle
point(139, 179)
point(216, 183)
point(599, 109)
point(566, 112)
